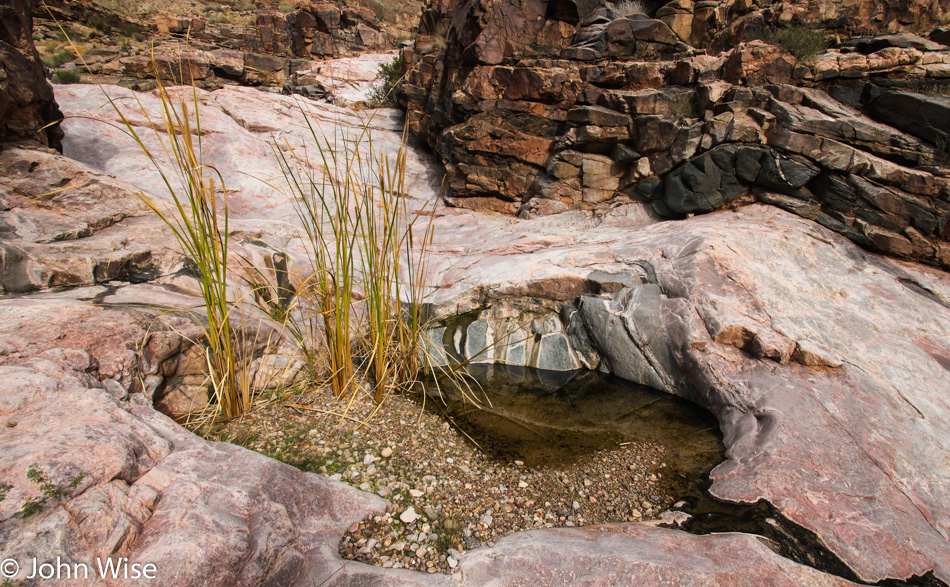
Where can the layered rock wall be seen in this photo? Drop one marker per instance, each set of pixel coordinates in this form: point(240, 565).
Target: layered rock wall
point(544, 106)
point(276, 49)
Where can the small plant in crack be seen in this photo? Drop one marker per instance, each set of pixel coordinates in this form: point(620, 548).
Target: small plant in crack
point(48, 489)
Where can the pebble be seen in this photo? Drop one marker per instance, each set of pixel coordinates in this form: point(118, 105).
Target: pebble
point(409, 515)
point(466, 505)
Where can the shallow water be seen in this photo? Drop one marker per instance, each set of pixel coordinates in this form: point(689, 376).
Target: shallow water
point(553, 419)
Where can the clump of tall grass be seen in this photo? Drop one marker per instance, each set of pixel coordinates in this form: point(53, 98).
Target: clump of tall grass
point(198, 219)
point(393, 277)
point(358, 302)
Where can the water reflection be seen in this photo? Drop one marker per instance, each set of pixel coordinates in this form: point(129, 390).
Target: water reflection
point(554, 418)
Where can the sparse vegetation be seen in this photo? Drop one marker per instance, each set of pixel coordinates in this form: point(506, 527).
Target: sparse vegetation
point(59, 58)
point(626, 8)
point(66, 76)
point(380, 10)
point(363, 238)
point(198, 220)
point(802, 41)
point(942, 151)
point(48, 491)
point(101, 23)
point(390, 74)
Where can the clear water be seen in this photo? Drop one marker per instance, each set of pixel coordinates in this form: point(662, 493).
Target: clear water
point(554, 419)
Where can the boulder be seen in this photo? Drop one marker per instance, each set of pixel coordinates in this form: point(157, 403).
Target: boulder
point(28, 110)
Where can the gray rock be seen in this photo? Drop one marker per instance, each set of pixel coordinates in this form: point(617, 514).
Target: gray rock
point(652, 555)
point(478, 341)
point(555, 354)
point(703, 184)
point(927, 117)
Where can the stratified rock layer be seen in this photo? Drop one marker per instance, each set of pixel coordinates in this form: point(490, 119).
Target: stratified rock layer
point(540, 107)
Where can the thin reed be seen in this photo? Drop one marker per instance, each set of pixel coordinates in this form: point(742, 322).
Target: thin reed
point(360, 298)
point(198, 219)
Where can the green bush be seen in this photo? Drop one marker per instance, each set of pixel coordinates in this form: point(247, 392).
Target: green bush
point(390, 74)
point(131, 30)
point(57, 59)
point(66, 76)
point(801, 41)
point(101, 23)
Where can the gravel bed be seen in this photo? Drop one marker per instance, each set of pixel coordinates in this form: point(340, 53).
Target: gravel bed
point(446, 496)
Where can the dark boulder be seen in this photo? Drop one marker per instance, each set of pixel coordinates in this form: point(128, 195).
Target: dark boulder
point(27, 106)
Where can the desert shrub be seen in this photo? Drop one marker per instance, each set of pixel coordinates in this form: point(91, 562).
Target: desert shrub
point(101, 23)
point(801, 41)
point(380, 10)
point(66, 76)
point(131, 30)
point(629, 8)
point(390, 74)
point(57, 59)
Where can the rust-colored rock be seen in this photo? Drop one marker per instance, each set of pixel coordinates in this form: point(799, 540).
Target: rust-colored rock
point(27, 106)
point(513, 110)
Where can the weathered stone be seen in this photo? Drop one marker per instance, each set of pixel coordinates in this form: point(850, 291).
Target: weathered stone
point(927, 117)
point(652, 555)
point(555, 354)
point(703, 184)
point(765, 318)
point(27, 107)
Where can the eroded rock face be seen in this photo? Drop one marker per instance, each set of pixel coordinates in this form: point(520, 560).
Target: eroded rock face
point(26, 98)
point(584, 107)
point(793, 336)
point(78, 380)
point(277, 50)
